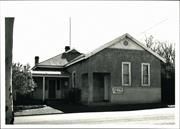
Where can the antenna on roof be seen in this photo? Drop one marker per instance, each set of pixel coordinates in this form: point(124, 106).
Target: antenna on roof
point(70, 32)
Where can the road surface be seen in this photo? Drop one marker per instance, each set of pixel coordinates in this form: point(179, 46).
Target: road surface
point(161, 116)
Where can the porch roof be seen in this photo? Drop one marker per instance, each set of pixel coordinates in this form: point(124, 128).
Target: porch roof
point(50, 73)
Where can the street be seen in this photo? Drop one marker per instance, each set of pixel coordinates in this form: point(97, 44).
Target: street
point(160, 116)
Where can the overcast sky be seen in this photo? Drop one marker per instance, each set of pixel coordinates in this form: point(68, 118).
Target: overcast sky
point(42, 28)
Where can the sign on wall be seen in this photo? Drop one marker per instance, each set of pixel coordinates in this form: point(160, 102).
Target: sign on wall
point(117, 90)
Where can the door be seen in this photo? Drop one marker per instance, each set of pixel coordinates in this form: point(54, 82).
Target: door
point(98, 87)
point(52, 89)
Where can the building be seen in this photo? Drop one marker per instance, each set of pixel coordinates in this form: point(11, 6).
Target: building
point(122, 71)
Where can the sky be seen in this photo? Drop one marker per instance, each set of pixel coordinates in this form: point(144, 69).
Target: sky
point(41, 28)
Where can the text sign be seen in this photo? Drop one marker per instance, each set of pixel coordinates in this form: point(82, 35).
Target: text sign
point(117, 90)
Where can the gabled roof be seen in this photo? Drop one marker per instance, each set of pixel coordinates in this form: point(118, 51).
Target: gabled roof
point(112, 43)
point(60, 60)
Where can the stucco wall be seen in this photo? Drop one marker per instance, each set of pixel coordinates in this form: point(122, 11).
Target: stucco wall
point(80, 69)
point(110, 61)
point(136, 95)
point(84, 88)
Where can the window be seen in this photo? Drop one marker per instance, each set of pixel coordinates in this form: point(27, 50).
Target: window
point(73, 79)
point(126, 73)
point(145, 74)
point(125, 43)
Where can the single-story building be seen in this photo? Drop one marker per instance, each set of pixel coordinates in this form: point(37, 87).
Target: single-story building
point(122, 71)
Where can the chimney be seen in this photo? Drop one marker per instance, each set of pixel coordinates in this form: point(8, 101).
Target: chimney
point(67, 48)
point(36, 60)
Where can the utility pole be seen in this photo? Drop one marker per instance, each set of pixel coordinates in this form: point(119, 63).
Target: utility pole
point(70, 32)
point(9, 22)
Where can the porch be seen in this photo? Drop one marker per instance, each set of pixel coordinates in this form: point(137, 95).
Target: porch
point(50, 85)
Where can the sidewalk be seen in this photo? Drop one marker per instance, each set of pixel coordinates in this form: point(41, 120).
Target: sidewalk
point(79, 108)
point(43, 110)
point(161, 116)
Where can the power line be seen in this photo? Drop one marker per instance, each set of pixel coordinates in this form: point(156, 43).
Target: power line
point(154, 26)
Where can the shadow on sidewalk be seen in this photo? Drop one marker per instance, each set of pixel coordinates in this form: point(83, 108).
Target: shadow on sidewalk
point(79, 108)
point(62, 107)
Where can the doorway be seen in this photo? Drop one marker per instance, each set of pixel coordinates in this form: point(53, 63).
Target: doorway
point(52, 89)
point(101, 87)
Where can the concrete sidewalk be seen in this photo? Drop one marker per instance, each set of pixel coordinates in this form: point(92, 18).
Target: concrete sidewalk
point(45, 110)
point(161, 116)
point(78, 108)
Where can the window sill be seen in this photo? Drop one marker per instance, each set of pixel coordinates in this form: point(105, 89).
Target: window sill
point(126, 85)
point(145, 85)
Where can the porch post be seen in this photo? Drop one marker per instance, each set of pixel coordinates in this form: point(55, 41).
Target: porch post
point(90, 86)
point(43, 88)
point(105, 87)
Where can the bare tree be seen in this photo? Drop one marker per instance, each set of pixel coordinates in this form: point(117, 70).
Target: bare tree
point(164, 49)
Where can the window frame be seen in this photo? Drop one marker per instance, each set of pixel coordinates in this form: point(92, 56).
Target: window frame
point(149, 74)
point(129, 64)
